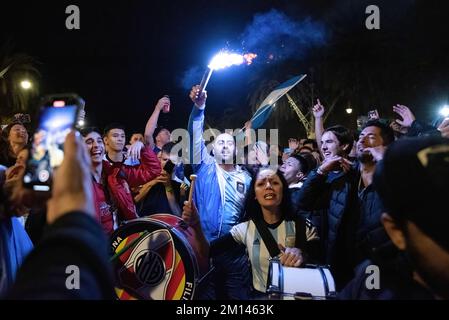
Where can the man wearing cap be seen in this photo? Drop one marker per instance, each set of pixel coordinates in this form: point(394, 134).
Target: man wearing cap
point(413, 184)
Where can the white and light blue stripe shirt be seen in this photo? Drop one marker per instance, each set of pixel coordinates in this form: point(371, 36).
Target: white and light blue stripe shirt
point(246, 233)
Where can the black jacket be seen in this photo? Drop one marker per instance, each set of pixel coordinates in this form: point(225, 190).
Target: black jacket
point(73, 240)
point(316, 217)
point(336, 196)
point(395, 279)
point(370, 232)
point(419, 128)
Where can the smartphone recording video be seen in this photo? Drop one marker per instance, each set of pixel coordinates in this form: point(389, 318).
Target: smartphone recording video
point(373, 115)
point(169, 166)
point(56, 119)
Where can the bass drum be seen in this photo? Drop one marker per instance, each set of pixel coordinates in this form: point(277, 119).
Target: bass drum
point(156, 258)
point(309, 282)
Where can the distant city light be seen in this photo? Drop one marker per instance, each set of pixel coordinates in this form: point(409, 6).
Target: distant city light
point(26, 84)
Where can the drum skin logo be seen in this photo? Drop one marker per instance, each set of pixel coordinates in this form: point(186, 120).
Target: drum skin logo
point(154, 267)
point(150, 269)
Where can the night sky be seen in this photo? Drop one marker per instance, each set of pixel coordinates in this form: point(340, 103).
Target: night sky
point(127, 54)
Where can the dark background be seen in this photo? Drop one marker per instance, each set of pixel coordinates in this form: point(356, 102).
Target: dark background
point(128, 54)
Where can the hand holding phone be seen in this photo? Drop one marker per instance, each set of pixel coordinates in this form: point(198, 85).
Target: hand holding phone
point(373, 115)
point(58, 116)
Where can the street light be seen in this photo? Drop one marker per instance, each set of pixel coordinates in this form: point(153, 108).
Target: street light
point(348, 110)
point(444, 111)
point(26, 84)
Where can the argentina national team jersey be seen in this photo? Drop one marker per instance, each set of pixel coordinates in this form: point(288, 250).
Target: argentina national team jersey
point(235, 187)
point(247, 234)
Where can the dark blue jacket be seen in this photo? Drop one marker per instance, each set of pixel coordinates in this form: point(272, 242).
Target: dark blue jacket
point(336, 196)
point(370, 232)
point(419, 128)
point(316, 218)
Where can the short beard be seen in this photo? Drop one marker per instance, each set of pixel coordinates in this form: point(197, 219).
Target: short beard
point(226, 161)
point(365, 157)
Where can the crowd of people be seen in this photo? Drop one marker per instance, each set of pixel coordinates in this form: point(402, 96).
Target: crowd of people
point(342, 199)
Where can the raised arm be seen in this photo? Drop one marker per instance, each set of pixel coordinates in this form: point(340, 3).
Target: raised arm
point(152, 121)
point(413, 127)
point(198, 154)
point(248, 137)
point(318, 113)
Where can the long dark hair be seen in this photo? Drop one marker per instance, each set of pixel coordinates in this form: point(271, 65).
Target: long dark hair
point(253, 210)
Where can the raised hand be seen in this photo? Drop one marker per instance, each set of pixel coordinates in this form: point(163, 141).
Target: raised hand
point(162, 103)
point(406, 115)
point(444, 128)
point(198, 98)
point(318, 109)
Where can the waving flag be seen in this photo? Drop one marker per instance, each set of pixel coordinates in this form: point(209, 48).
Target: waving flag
point(267, 106)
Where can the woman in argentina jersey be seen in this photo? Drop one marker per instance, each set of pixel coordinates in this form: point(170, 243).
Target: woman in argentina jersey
point(268, 200)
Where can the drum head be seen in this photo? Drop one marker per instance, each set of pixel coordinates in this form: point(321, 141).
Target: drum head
point(152, 261)
point(308, 282)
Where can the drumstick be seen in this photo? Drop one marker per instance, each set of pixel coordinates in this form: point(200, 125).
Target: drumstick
point(192, 186)
point(290, 242)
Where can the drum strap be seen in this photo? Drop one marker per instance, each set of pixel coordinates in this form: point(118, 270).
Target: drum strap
point(267, 238)
point(270, 243)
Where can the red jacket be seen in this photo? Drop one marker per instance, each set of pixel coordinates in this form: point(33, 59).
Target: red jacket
point(119, 178)
point(103, 207)
point(148, 169)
